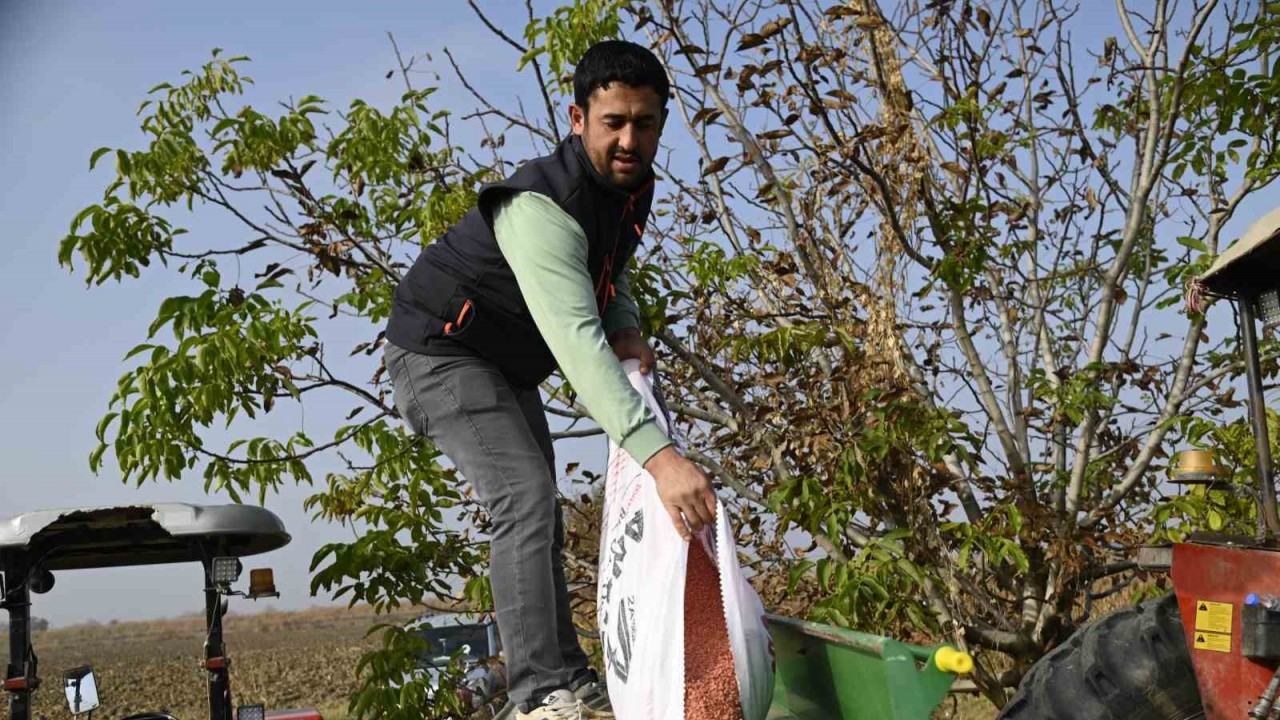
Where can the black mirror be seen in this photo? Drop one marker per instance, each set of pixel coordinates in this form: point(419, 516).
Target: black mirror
point(81, 688)
point(41, 581)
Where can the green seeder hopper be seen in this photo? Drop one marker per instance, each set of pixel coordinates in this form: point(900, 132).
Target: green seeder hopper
point(829, 673)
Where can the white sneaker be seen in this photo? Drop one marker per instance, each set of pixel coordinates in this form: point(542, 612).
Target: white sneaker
point(595, 700)
point(559, 705)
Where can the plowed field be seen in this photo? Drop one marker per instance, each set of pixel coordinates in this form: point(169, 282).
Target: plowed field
point(281, 659)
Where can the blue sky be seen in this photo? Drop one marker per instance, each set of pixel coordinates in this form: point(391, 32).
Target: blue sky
point(71, 76)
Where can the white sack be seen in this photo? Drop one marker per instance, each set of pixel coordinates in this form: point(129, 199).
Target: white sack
point(640, 594)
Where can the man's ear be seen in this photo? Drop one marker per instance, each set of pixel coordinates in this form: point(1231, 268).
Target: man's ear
point(577, 118)
point(662, 124)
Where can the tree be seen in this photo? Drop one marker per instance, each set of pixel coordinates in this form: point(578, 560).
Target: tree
point(902, 301)
point(930, 278)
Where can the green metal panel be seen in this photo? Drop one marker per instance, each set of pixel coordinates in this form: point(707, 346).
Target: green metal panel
point(826, 673)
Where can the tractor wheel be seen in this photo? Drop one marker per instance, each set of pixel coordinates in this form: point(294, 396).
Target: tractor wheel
point(1131, 665)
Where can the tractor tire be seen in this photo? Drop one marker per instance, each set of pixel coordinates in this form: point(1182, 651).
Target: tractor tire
point(1130, 665)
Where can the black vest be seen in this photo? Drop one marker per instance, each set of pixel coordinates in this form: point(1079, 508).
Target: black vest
point(461, 297)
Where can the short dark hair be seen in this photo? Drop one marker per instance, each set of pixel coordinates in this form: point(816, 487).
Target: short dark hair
point(618, 61)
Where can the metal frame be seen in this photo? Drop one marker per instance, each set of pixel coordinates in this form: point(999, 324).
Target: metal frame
point(22, 664)
point(217, 664)
point(1258, 416)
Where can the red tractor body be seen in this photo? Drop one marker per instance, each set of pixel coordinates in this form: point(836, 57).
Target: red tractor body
point(1212, 584)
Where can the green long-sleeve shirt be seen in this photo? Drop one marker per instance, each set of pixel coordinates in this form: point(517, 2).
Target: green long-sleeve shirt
point(547, 251)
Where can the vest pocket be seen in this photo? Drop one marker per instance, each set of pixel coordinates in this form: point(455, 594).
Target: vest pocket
point(511, 342)
point(444, 297)
point(458, 326)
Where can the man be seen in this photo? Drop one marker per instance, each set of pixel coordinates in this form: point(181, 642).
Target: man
point(532, 279)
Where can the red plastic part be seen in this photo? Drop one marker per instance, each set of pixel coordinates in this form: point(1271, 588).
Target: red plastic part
point(216, 663)
point(15, 684)
point(1229, 683)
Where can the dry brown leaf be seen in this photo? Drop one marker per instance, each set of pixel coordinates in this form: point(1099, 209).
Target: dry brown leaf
point(984, 19)
point(715, 166)
point(773, 27)
point(706, 114)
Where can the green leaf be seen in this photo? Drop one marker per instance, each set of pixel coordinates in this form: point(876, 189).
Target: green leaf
point(1192, 243)
point(93, 159)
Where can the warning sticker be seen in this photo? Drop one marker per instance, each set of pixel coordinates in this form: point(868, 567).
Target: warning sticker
point(1213, 616)
point(1217, 642)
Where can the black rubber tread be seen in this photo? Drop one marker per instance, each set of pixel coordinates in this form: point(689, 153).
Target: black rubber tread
point(1130, 665)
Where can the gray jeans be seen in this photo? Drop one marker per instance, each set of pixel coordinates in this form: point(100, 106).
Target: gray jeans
point(497, 437)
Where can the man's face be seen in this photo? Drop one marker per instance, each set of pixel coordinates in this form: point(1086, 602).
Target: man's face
point(620, 130)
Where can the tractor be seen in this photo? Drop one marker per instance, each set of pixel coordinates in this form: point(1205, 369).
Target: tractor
point(1211, 649)
point(36, 545)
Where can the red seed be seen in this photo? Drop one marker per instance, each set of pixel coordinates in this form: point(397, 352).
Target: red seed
point(710, 684)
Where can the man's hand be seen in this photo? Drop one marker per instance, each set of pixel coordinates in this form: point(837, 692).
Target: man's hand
point(630, 344)
point(685, 491)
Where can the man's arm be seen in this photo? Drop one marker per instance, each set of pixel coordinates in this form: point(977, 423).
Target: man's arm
point(621, 312)
point(547, 251)
point(622, 325)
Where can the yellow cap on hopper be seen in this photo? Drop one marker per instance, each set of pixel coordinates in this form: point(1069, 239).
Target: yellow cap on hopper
point(949, 659)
